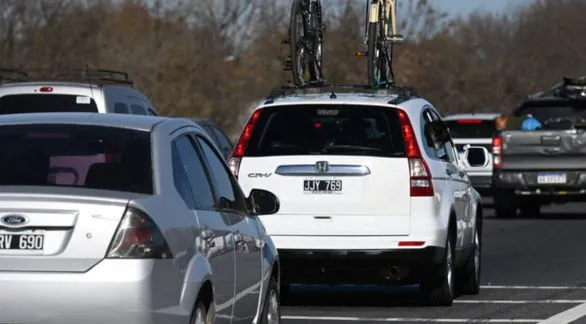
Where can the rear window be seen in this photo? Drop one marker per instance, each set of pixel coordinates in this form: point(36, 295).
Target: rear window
point(471, 128)
point(38, 103)
point(555, 112)
point(327, 130)
point(76, 156)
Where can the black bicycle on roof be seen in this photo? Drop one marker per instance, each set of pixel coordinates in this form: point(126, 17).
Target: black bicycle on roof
point(306, 34)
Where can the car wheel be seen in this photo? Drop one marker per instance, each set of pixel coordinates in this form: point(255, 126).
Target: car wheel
point(203, 314)
point(471, 279)
point(438, 288)
point(505, 205)
point(271, 313)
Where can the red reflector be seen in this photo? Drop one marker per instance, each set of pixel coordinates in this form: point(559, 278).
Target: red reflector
point(317, 125)
point(411, 243)
point(46, 89)
point(470, 121)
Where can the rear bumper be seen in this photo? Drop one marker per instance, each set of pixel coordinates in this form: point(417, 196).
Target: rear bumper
point(481, 181)
point(358, 266)
point(524, 183)
point(114, 291)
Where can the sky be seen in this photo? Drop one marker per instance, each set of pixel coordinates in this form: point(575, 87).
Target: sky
point(457, 7)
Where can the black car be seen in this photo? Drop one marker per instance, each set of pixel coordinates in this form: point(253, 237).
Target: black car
point(218, 136)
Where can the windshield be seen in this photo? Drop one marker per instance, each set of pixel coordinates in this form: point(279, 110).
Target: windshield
point(38, 103)
point(327, 130)
point(75, 156)
point(471, 128)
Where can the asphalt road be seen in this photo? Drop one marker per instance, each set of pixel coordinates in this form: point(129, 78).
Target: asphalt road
point(534, 271)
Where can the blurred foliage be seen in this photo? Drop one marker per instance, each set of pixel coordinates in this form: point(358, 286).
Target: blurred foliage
point(213, 58)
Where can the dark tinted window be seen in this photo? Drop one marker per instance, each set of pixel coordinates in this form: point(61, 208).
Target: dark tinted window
point(226, 190)
point(121, 108)
point(78, 156)
point(471, 128)
point(551, 112)
point(137, 110)
point(33, 103)
point(198, 181)
point(327, 130)
point(181, 180)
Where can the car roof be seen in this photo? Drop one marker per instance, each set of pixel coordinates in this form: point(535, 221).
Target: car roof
point(136, 122)
point(484, 116)
point(354, 98)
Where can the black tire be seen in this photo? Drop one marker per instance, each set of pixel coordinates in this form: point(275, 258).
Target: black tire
point(298, 58)
point(505, 205)
point(316, 60)
point(473, 270)
point(438, 288)
point(373, 66)
point(530, 209)
point(271, 312)
point(203, 314)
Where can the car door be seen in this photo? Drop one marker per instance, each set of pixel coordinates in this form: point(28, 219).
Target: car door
point(199, 195)
point(232, 205)
point(457, 179)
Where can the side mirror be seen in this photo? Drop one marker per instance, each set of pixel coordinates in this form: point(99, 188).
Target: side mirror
point(476, 156)
point(263, 202)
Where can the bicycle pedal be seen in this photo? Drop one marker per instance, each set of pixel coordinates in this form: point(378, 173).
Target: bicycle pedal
point(361, 53)
point(397, 38)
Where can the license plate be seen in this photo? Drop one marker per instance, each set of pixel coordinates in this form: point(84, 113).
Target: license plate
point(551, 178)
point(322, 186)
point(22, 242)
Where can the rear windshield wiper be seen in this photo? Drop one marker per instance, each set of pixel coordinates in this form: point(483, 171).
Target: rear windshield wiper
point(344, 148)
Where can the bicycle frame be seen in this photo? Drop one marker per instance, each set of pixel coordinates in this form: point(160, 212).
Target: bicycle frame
point(375, 15)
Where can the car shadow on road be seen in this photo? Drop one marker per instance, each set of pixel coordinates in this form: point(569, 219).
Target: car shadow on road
point(352, 296)
point(554, 216)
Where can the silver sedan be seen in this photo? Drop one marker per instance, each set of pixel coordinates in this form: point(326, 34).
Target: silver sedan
point(111, 218)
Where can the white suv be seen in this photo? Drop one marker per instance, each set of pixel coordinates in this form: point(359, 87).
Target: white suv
point(98, 90)
point(370, 186)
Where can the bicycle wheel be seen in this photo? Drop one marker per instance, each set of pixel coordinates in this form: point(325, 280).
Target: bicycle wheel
point(379, 55)
point(317, 37)
point(297, 39)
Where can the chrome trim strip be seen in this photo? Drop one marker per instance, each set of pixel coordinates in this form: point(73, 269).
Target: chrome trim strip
point(335, 170)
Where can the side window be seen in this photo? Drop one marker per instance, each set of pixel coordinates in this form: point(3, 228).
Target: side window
point(137, 110)
point(227, 190)
point(441, 150)
point(448, 144)
point(196, 175)
point(180, 178)
point(121, 108)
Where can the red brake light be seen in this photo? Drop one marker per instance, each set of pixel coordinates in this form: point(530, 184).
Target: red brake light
point(497, 149)
point(46, 89)
point(470, 121)
point(246, 134)
point(138, 237)
point(420, 177)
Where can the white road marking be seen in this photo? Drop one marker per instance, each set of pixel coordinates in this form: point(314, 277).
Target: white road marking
point(568, 316)
point(537, 301)
point(393, 319)
point(535, 287)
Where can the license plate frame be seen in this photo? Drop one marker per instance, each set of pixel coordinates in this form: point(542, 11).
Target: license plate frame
point(30, 242)
point(549, 178)
point(323, 186)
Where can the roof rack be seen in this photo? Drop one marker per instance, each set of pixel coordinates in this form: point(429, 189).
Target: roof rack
point(399, 92)
point(98, 76)
point(571, 88)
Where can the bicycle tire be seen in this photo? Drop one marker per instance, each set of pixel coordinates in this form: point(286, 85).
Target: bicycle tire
point(380, 70)
point(297, 65)
point(373, 62)
point(316, 69)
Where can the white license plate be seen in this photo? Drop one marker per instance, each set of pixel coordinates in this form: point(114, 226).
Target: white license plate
point(551, 178)
point(321, 186)
point(29, 241)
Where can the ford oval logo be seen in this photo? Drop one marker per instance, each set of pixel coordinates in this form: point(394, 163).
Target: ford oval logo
point(14, 220)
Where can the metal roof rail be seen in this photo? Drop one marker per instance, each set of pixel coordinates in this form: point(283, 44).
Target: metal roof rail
point(97, 76)
point(403, 92)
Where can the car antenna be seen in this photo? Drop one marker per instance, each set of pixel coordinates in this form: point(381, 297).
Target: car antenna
point(85, 73)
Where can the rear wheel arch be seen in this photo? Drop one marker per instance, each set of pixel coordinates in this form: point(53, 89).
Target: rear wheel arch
point(453, 226)
point(205, 295)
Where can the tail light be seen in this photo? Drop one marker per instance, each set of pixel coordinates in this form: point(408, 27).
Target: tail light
point(242, 144)
point(137, 237)
point(497, 151)
point(420, 177)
